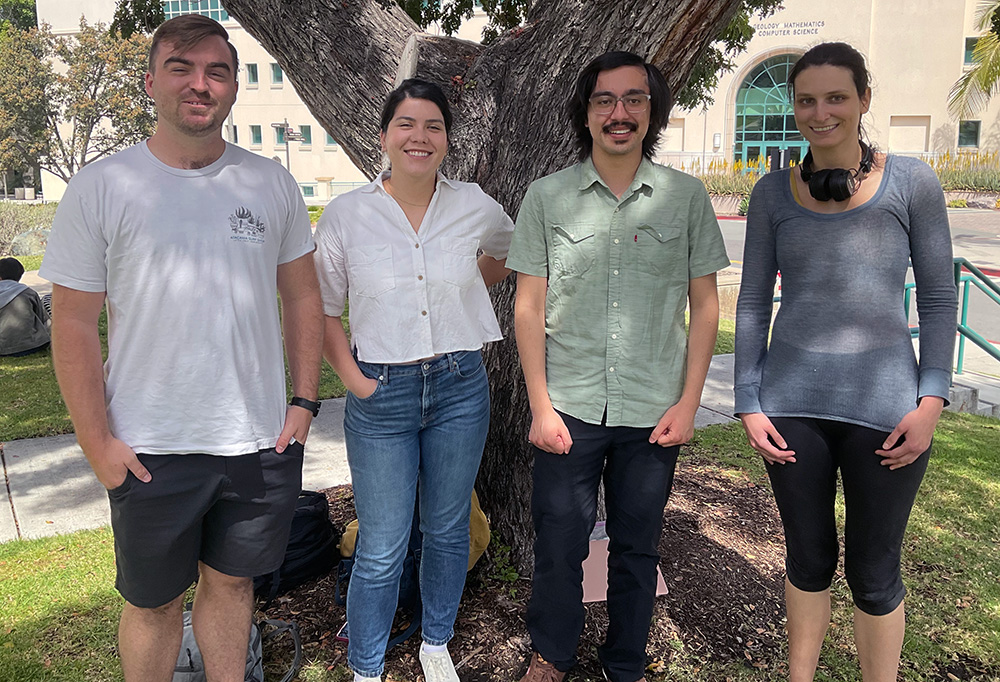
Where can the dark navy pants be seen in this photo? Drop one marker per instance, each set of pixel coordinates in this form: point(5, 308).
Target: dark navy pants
point(637, 477)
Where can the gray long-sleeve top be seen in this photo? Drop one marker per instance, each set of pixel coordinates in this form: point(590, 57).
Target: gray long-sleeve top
point(840, 348)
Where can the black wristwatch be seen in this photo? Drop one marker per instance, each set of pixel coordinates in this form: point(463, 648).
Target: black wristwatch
point(311, 405)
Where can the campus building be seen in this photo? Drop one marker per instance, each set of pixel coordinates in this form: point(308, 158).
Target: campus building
point(916, 51)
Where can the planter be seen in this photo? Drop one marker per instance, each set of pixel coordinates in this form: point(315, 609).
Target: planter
point(726, 204)
point(975, 199)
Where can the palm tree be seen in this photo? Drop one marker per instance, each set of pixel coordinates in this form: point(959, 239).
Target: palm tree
point(973, 90)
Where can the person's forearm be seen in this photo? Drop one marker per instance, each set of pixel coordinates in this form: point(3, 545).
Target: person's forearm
point(492, 270)
point(529, 330)
point(302, 323)
point(702, 332)
point(337, 351)
point(76, 357)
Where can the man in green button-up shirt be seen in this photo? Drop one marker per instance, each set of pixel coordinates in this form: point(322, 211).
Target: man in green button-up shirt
point(609, 252)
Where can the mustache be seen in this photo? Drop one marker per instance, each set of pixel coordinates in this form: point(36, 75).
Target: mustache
point(618, 124)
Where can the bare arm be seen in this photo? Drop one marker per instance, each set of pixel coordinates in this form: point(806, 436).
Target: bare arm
point(548, 431)
point(76, 356)
point(677, 424)
point(337, 351)
point(493, 270)
point(302, 324)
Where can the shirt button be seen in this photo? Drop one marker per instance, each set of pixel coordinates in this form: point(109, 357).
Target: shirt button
point(420, 277)
point(424, 312)
point(616, 272)
point(613, 305)
point(614, 336)
point(416, 246)
point(611, 369)
point(616, 241)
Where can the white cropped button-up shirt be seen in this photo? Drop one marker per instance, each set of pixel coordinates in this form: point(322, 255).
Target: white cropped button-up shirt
point(412, 294)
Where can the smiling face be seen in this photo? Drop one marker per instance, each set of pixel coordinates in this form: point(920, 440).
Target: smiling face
point(194, 90)
point(828, 108)
point(416, 139)
point(619, 133)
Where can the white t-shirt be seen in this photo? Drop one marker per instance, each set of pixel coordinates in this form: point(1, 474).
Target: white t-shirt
point(412, 294)
point(189, 260)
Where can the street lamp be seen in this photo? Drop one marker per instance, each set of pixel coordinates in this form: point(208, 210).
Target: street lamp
point(290, 135)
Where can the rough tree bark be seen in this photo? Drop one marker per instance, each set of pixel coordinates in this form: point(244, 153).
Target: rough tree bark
point(343, 56)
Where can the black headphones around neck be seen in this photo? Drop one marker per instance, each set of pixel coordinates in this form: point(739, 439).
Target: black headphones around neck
point(839, 184)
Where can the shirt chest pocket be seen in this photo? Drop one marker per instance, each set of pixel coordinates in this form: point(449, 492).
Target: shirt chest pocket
point(458, 261)
point(573, 248)
point(660, 250)
point(371, 272)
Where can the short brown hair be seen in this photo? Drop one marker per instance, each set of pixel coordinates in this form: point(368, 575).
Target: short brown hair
point(186, 31)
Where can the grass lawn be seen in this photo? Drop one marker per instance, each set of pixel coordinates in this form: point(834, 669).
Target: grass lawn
point(58, 607)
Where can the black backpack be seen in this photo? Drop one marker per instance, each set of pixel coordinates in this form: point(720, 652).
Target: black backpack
point(409, 585)
point(312, 548)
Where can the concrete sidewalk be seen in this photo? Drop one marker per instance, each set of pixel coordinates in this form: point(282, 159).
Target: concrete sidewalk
point(50, 488)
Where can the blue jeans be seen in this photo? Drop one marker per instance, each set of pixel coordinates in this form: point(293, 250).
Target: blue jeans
point(425, 425)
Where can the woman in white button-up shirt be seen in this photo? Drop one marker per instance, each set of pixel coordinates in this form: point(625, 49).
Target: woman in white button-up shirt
point(404, 250)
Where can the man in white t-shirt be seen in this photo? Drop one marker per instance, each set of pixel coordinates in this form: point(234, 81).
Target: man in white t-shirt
point(188, 239)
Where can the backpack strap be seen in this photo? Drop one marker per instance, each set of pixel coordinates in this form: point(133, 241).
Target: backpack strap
point(408, 632)
point(281, 626)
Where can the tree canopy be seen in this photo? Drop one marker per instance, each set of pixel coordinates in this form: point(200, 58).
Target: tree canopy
point(18, 13)
point(92, 105)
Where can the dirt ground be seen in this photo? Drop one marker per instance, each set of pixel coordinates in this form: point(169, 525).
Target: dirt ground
point(722, 562)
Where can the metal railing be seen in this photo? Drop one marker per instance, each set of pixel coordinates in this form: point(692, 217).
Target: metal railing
point(963, 282)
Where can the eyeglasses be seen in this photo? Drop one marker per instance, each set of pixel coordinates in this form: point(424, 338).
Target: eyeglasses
point(635, 103)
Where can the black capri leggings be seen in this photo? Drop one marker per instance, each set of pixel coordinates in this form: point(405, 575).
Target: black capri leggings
point(877, 502)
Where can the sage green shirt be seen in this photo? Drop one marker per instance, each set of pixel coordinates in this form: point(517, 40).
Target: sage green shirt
point(618, 274)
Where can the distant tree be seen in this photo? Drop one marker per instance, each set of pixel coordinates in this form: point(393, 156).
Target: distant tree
point(972, 92)
point(137, 16)
point(18, 13)
point(70, 100)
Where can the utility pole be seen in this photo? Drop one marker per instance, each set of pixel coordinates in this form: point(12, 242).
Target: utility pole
point(290, 135)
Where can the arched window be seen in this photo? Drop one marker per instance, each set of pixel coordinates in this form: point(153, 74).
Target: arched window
point(764, 120)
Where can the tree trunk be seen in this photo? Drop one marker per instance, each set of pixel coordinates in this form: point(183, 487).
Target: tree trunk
point(508, 99)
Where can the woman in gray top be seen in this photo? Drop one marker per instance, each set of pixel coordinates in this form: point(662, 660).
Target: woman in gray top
point(838, 387)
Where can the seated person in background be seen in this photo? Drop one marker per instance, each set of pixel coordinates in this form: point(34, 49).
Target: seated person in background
point(24, 323)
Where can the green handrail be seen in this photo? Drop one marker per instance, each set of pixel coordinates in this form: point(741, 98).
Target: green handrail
point(963, 282)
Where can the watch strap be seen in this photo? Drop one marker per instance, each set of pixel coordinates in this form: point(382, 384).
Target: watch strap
point(311, 405)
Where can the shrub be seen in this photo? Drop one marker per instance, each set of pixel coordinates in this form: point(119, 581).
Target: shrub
point(16, 218)
point(723, 177)
point(958, 203)
point(969, 172)
point(744, 205)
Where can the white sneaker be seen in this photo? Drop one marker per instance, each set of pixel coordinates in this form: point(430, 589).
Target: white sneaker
point(438, 666)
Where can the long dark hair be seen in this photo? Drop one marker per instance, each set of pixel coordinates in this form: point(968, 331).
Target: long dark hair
point(659, 103)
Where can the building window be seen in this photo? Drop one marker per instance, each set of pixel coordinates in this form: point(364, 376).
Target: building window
point(308, 190)
point(255, 136)
point(252, 74)
point(307, 136)
point(968, 133)
point(234, 135)
point(209, 8)
point(764, 118)
point(279, 137)
point(277, 77)
point(330, 142)
point(970, 46)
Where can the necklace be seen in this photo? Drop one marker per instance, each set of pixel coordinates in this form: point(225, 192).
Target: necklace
point(392, 194)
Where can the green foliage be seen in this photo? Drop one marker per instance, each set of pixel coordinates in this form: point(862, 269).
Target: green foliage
point(958, 203)
point(501, 14)
point(92, 106)
point(723, 178)
point(973, 90)
point(16, 218)
point(314, 213)
point(744, 205)
point(717, 59)
point(20, 14)
point(977, 172)
point(137, 16)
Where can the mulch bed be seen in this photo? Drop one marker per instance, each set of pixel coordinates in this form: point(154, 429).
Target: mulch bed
point(723, 562)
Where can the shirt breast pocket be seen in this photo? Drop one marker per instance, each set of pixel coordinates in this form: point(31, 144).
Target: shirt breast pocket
point(661, 250)
point(573, 248)
point(458, 260)
point(371, 271)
